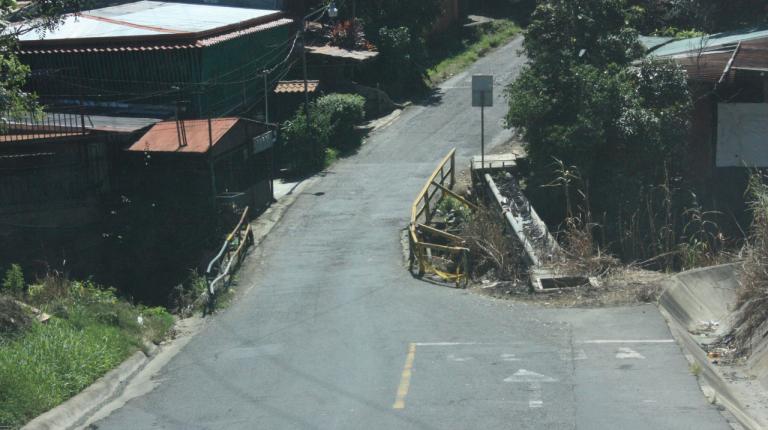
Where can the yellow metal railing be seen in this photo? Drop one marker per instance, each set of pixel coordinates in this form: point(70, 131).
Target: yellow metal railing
point(448, 262)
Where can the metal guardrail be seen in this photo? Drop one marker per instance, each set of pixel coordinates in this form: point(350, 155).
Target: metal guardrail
point(424, 253)
point(221, 268)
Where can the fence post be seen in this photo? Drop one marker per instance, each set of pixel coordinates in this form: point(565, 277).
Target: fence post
point(427, 211)
point(453, 170)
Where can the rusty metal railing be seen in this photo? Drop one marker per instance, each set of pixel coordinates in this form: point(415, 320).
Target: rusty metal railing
point(448, 262)
point(222, 267)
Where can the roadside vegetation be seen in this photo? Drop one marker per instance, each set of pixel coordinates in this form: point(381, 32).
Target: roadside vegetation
point(330, 134)
point(57, 336)
point(588, 103)
point(454, 52)
point(753, 296)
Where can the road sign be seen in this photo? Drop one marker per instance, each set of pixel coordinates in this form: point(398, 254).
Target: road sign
point(482, 90)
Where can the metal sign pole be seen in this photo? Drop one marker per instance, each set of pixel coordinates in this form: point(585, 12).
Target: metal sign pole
point(482, 130)
point(482, 96)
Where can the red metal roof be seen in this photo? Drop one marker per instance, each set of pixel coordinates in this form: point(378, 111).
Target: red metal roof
point(139, 46)
point(289, 87)
point(164, 136)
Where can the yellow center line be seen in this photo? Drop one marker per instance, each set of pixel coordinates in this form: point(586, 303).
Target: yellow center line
point(405, 379)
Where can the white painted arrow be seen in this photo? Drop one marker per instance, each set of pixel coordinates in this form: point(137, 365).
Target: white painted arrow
point(625, 353)
point(534, 381)
point(523, 375)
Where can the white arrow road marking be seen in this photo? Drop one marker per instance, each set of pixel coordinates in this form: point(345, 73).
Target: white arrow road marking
point(535, 397)
point(534, 381)
point(509, 357)
point(523, 375)
point(625, 353)
point(453, 357)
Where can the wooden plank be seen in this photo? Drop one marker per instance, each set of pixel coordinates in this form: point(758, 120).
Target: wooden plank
point(441, 233)
point(456, 196)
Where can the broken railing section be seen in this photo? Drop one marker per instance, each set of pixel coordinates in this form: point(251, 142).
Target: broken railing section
point(433, 250)
point(221, 269)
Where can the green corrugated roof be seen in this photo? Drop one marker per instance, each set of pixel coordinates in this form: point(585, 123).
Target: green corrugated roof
point(709, 42)
point(651, 42)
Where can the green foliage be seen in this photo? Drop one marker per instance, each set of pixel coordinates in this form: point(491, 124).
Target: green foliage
point(459, 56)
point(91, 332)
point(344, 112)
point(333, 118)
point(13, 282)
point(13, 73)
point(452, 206)
point(678, 33)
point(702, 15)
point(53, 362)
point(623, 125)
point(417, 16)
point(304, 144)
point(397, 67)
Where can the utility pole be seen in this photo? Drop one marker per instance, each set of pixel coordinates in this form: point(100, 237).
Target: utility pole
point(306, 82)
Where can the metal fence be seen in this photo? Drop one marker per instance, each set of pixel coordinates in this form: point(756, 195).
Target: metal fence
point(449, 261)
point(222, 267)
point(21, 126)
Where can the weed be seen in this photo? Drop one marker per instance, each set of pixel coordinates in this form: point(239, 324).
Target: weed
point(451, 206)
point(695, 368)
point(13, 282)
point(471, 49)
point(492, 253)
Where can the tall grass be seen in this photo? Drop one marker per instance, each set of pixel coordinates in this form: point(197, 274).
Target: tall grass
point(753, 295)
point(91, 332)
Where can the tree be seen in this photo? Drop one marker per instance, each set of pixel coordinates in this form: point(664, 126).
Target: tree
point(585, 99)
point(40, 15)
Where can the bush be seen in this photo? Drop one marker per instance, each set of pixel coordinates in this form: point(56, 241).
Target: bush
point(397, 66)
point(13, 283)
point(344, 112)
point(303, 145)
point(333, 118)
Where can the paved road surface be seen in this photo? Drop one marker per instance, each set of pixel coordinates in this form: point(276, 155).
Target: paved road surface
point(333, 333)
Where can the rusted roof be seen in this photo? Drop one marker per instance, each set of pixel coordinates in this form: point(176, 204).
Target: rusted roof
point(336, 52)
point(710, 66)
point(289, 87)
point(164, 136)
point(198, 43)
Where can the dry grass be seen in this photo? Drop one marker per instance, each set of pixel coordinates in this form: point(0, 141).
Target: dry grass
point(753, 296)
point(493, 254)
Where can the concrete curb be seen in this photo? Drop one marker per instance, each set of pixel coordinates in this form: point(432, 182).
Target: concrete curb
point(89, 400)
point(83, 405)
point(704, 294)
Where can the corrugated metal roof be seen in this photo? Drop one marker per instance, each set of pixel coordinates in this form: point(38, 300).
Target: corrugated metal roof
point(199, 43)
point(146, 18)
point(710, 42)
point(296, 86)
point(333, 51)
point(652, 42)
point(164, 136)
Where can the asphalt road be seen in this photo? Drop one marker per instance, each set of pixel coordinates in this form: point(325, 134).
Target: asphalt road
point(331, 332)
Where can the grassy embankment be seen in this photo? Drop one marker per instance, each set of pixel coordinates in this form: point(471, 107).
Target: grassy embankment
point(90, 332)
point(453, 54)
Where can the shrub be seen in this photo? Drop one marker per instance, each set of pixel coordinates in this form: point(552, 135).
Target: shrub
point(333, 118)
point(397, 66)
point(344, 111)
point(13, 283)
point(304, 145)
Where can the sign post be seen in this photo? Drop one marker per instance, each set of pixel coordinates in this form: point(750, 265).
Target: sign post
point(482, 96)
